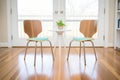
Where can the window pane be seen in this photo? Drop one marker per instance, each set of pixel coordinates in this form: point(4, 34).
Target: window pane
point(41, 9)
point(35, 9)
point(81, 9)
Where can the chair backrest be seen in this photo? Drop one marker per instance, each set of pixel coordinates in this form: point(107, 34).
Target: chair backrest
point(88, 27)
point(32, 27)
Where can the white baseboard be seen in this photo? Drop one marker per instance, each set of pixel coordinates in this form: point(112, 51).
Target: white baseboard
point(6, 44)
point(3, 44)
point(110, 45)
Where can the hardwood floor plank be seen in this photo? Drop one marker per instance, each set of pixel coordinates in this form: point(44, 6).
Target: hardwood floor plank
point(111, 69)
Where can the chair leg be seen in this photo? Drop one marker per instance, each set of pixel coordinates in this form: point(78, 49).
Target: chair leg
point(35, 53)
point(69, 49)
point(80, 50)
point(26, 50)
point(84, 53)
point(51, 50)
point(94, 50)
point(41, 50)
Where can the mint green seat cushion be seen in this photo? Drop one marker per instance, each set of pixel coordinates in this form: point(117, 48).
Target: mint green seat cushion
point(38, 39)
point(82, 39)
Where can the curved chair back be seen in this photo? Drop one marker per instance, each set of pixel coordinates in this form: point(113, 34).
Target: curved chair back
point(88, 28)
point(32, 28)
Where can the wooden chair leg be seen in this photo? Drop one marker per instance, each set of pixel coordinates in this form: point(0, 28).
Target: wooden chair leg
point(35, 53)
point(69, 49)
point(94, 50)
point(51, 50)
point(26, 50)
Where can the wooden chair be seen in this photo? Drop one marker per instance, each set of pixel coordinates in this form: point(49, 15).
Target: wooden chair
point(33, 28)
point(88, 28)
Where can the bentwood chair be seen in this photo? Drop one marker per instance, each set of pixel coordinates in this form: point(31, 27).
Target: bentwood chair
point(88, 28)
point(33, 28)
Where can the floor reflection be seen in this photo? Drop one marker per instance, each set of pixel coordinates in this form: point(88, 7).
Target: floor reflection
point(42, 71)
point(76, 70)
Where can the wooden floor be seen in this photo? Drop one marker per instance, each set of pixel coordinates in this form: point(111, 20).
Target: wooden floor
point(13, 66)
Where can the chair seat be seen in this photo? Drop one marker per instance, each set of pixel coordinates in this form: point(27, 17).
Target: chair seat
point(82, 39)
point(38, 39)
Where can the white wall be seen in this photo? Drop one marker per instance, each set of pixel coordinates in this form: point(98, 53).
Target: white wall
point(0, 23)
point(3, 21)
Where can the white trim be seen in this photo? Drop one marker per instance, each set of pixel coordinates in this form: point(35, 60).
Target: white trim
point(110, 44)
point(4, 44)
point(9, 23)
point(0, 44)
point(101, 22)
point(116, 37)
point(106, 22)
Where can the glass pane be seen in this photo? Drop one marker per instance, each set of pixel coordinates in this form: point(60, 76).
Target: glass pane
point(74, 27)
point(81, 9)
point(77, 10)
point(40, 9)
point(35, 9)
